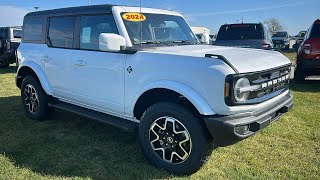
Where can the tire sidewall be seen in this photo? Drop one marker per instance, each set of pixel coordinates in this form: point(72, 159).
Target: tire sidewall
point(42, 98)
point(193, 126)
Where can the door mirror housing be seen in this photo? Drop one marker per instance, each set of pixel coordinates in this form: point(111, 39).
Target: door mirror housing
point(111, 42)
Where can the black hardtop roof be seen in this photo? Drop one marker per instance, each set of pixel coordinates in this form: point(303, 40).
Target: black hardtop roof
point(94, 9)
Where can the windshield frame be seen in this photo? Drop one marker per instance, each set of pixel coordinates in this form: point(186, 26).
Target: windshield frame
point(193, 40)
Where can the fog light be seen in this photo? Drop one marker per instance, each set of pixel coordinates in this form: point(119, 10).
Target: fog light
point(242, 130)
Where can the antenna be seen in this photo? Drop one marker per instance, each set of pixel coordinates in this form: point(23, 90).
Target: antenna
point(140, 24)
point(242, 19)
point(89, 2)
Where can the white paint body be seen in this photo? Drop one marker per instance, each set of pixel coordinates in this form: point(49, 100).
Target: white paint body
point(100, 81)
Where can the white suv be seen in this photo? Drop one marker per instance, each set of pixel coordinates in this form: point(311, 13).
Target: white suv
point(144, 69)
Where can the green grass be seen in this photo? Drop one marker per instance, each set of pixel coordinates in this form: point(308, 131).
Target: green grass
point(291, 56)
point(68, 146)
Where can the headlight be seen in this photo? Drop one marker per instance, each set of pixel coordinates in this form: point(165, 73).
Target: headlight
point(240, 84)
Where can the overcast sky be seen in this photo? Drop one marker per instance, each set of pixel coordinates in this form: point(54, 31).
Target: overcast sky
point(295, 15)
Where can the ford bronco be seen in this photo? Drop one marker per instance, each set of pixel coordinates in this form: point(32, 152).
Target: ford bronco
point(145, 70)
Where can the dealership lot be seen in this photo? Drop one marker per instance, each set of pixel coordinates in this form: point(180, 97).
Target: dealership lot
point(68, 146)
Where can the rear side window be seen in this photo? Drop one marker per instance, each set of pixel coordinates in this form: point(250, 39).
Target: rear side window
point(17, 33)
point(33, 29)
point(3, 33)
point(315, 31)
point(61, 31)
point(240, 32)
point(92, 26)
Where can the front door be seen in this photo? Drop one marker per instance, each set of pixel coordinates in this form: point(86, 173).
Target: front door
point(98, 77)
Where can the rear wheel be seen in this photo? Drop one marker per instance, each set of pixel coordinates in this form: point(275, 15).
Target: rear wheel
point(34, 99)
point(172, 138)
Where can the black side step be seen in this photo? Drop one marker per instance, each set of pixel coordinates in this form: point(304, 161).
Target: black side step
point(124, 124)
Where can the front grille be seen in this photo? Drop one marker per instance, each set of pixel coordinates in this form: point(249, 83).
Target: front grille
point(271, 82)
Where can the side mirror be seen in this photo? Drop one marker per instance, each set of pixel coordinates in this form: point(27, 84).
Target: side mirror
point(111, 42)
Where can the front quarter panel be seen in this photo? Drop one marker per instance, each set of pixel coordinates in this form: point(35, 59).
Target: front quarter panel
point(201, 80)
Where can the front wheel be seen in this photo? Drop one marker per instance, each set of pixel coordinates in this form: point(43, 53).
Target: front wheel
point(172, 138)
point(34, 99)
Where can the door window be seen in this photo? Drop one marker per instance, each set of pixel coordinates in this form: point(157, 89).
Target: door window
point(33, 29)
point(61, 30)
point(92, 26)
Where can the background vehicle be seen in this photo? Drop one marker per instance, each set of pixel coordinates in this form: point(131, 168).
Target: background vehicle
point(281, 40)
point(202, 33)
point(245, 35)
point(10, 38)
point(308, 57)
point(148, 72)
point(299, 39)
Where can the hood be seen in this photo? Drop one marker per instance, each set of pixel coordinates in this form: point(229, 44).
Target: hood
point(243, 59)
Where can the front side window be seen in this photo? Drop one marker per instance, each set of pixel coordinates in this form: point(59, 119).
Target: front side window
point(33, 29)
point(159, 28)
point(61, 30)
point(92, 26)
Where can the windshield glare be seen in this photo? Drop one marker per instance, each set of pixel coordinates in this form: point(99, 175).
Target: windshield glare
point(160, 28)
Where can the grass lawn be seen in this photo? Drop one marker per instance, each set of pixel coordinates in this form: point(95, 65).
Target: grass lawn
point(68, 146)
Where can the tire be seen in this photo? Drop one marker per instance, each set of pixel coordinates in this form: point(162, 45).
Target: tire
point(34, 99)
point(195, 149)
point(299, 76)
point(3, 63)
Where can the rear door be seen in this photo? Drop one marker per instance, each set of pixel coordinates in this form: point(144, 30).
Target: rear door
point(59, 56)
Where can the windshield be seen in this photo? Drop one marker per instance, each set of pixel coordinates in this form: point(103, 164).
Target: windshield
point(280, 34)
point(159, 28)
point(240, 32)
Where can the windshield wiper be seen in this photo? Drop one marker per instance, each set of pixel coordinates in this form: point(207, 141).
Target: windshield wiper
point(151, 42)
point(184, 42)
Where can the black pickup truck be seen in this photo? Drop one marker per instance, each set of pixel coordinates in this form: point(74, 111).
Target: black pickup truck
point(10, 38)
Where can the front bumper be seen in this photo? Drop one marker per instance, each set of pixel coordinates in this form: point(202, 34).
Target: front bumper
point(230, 129)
